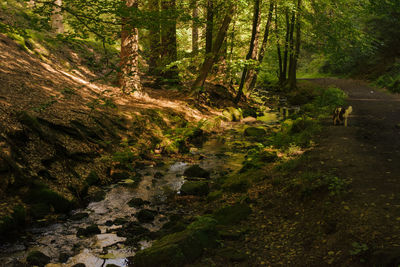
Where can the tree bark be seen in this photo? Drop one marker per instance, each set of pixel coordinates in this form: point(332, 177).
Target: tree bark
point(209, 26)
point(129, 75)
point(252, 54)
point(291, 44)
point(286, 48)
point(293, 78)
point(253, 79)
point(169, 52)
point(57, 18)
point(195, 28)
point(155, 38)
point(211, 58)
point(278, 47)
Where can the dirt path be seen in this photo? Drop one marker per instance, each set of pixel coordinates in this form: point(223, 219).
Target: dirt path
point(368, 153)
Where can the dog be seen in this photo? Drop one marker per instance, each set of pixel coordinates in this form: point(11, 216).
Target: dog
point(341, 114)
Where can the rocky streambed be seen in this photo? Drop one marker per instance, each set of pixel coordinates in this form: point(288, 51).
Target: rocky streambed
point(109, 231)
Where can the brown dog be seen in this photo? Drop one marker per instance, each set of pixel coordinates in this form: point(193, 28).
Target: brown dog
point(341, 114)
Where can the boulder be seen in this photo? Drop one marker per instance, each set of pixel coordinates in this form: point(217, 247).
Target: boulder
point(146, 216)
point(254, 132)
point(37, 258)
point(88, 231)
point(180, 248)
point(195, 188)
point(196, 171)
point(137, 202)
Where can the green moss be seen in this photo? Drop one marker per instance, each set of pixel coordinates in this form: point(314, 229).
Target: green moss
point(214, 195)
point(255, 132)
point(196, 188)
point(93, 178)
point(180, 248)
point(42, 198)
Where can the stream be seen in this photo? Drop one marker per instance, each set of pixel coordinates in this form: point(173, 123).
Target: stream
point(60, 239)
point(60, 242)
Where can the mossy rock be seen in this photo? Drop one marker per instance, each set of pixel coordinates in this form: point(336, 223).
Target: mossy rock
point(41, 196)
point(137, 202)
point(214, 195)
point(196, 171)
point(233, 114)
point(79, 216)
point(88, 231)
point(195, 188)
point(37, 258)
point(146, 216)
point(250, 112)
point(180, 248)
point(92, 178)
point(255, 132)
point(232, 214)
point(237, 182)
point(268, 156)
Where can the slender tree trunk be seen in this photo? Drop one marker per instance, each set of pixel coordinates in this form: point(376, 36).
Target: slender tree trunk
point(195, 28)
point(57, 18)
point(293, 78)
point(263, 48)
point(209, 26)
point(168, 39)
point(130, 79)
point(291, 44)
point(278, 47)
point(252, 54)
point(155, 38)
point(231, 46)
point(286, 52)
point(211, 58)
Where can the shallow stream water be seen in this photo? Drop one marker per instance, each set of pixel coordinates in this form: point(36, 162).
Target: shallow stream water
point(218, 155)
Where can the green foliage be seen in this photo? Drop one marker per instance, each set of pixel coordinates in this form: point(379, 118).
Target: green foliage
point(124, 157)
point(391, 79)
point(358, 248)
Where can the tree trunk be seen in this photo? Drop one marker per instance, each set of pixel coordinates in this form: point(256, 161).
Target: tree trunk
point(155, 38)
point(130, 79)
point(231, 46)
point(209, 26)
point(168, 39)
point(278, 47)
point(286, 52)
point(195, 28)
point(211, 58)
point(253, 79)
point(291, 44)
point(293, 78)
point(57, 18)
point(252, 54)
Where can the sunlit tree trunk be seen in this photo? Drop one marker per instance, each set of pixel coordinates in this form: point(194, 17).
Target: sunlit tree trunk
point(296, 52)
point(211, 58)
point(168, 39)
point(252, 81)
point(57, 18)
point(252, 54)
point(195, 28)
point(129, 75)
point(209, 26)
point(154, 38)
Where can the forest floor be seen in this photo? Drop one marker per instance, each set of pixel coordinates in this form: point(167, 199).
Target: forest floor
point(358, 222)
